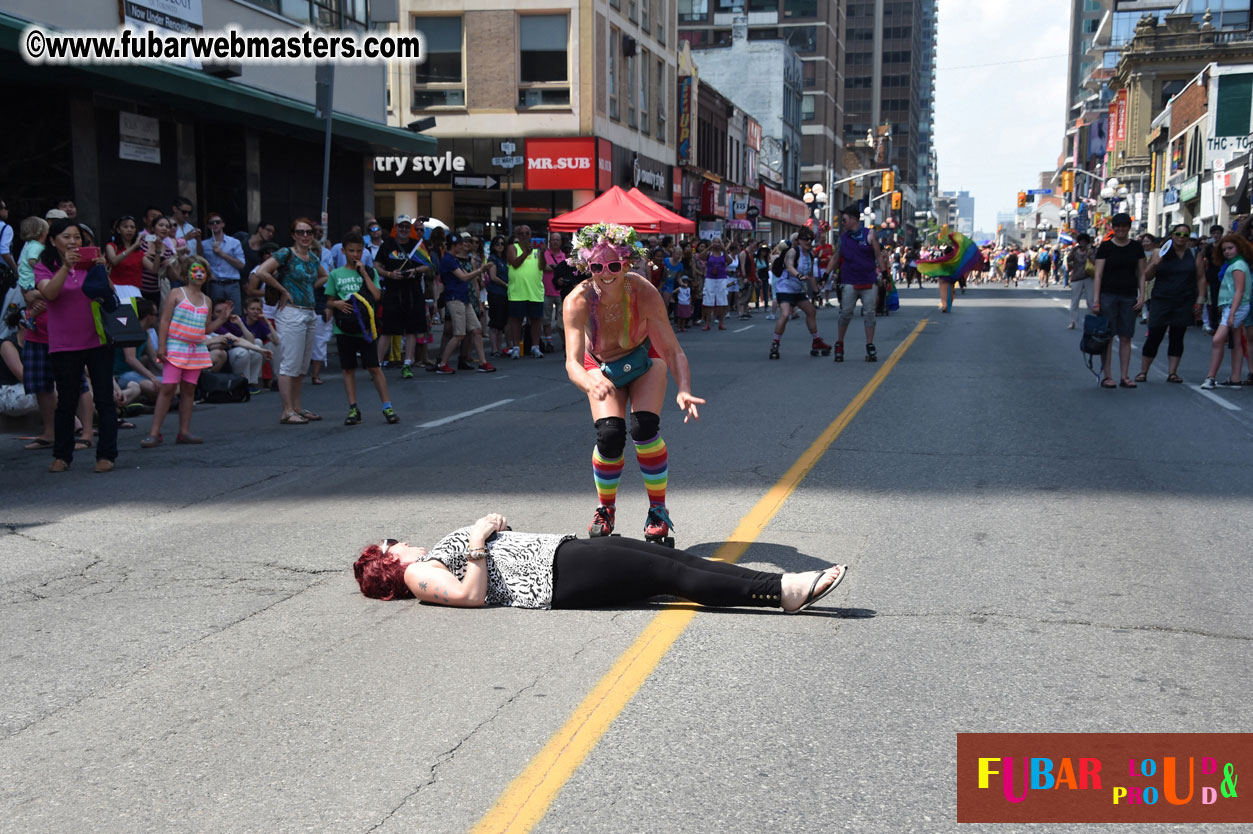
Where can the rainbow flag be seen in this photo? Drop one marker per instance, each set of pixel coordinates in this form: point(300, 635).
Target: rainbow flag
point(955, 263)
point(422, 255)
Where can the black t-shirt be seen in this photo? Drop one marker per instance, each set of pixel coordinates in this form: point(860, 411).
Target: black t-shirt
point(1176, 277)
point(1121, 262)
point(392, 256)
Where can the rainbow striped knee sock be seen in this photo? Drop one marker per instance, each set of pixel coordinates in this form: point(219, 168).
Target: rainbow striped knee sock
point(606, 473)
point(655, 467)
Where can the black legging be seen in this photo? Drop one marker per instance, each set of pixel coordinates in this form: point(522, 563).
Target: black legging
point(612, 570)
point(1154, 340)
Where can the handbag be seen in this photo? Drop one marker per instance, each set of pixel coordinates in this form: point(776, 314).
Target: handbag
point(120, 327)
point(1097, 335)
point(222, 388)
point(622, 372)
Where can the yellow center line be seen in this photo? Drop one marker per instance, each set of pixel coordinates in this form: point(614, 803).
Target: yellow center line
point(528, 797)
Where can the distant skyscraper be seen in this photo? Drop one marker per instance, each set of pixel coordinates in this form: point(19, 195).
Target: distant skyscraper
point(889, 77)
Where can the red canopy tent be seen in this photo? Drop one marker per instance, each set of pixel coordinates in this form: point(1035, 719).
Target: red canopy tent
point(614, 206)
point(671, 223)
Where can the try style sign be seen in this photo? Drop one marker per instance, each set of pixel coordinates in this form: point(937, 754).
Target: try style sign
point(418, 169)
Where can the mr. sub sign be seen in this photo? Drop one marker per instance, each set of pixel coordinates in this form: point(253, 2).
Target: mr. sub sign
point(562, 164)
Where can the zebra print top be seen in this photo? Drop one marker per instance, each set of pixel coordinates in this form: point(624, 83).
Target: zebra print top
point(519, 565)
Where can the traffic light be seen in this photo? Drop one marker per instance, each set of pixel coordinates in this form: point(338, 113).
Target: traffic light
point(1068, 182)
point(1022, 199)
point(889, 181)
point(896, 201)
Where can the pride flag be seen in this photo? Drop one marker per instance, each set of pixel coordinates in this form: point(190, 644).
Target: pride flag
point(422, 255)
point(961, 257)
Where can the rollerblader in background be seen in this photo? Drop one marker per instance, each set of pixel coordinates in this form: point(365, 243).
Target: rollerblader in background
point(800, 274)
point(619, 345)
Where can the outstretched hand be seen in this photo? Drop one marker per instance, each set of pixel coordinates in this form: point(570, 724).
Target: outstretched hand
point(688, 403)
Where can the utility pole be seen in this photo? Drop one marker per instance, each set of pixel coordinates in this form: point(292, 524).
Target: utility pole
point(324, 79)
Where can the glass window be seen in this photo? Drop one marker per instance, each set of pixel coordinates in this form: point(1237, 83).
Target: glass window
point(630, 89)
point(644, 4)
point(802, 38)
point(298, 10)
point(800, 8)
point(438, 81)
point(693, 10)
point(661, 21)
point(612, 80)
point(661, 99)
point(808, 103)
point(543, 72)
point(644, 65)
point(632, 10)
point(763, 5)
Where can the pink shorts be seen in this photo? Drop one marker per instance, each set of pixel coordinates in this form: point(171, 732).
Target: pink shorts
point(172, 374)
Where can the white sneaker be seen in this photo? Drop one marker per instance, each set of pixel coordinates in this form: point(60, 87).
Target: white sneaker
point(771, 316)
point(1209, 384)
point(514, 352)
point(536, 352)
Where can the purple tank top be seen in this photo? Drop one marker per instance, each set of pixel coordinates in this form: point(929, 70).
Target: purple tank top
point(857, 264)
point(717, 268)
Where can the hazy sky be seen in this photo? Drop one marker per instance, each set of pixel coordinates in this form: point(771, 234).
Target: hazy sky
point(1000, 123)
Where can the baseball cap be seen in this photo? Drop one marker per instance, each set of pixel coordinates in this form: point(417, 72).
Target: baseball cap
point(1120, 219)
point(404, 218)
point(453, 238)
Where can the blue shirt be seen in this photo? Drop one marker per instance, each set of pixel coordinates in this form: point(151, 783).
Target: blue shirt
point(455, 289)
point(223, 271)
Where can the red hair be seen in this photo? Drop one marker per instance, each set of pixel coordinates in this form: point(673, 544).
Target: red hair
point(379, 576)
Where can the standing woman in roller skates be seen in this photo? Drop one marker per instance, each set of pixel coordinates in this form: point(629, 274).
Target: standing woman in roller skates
point(797, 287)
point(619, 346)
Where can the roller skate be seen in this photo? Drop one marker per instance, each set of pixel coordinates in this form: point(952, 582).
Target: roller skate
point(657, 527)
point(774, 350)
point(839, 351)
point(819, 346)
point(602, 523)
point(872, 355)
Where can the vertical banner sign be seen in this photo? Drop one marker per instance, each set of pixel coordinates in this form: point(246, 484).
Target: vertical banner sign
point(685, 119)
point(1122, 115)
point(139, 138)
point(1112, 130)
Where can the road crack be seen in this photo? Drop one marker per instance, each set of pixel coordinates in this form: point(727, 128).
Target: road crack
point(449, 754)
point(972, 615)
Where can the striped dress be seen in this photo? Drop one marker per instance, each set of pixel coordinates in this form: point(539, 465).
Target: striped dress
point(184, 344)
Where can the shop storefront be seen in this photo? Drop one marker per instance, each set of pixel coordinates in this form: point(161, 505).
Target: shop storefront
point(785, 213)
point(634, 170)
point(460, 185)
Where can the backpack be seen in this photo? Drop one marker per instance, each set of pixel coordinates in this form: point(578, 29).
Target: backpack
point(1097, 335)
point(360, 322)
point(778, 267)
point(8, 278)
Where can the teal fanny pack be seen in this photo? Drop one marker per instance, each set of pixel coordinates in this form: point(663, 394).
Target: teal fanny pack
point(624, 371)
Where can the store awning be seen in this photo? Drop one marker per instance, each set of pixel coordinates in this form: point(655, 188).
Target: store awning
point(166, 85)
point(670, 222)
point(614, 206)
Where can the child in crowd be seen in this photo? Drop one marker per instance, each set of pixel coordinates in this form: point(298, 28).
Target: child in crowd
point(134, 376)
point(244, 350)
point(683, 304)
point(343, 283)
point(180, 348)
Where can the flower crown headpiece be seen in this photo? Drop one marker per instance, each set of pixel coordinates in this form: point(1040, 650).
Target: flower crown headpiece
point(622, 239)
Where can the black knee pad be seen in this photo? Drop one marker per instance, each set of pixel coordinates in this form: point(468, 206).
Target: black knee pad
point(611, 437)
point(644, 425)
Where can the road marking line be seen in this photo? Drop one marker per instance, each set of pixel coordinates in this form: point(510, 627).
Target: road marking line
point(443, 421)
point(742, 329)
point(526, 800)
point(1210, 395)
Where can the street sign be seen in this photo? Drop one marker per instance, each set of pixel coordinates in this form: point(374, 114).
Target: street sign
point(507, 161)
point(474, 182)
point(1040, 191)
point(508, 147)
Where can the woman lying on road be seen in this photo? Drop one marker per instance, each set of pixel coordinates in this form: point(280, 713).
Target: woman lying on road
point(488, 564)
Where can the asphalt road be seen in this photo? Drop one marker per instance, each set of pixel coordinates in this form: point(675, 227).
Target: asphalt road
point(185, 650)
